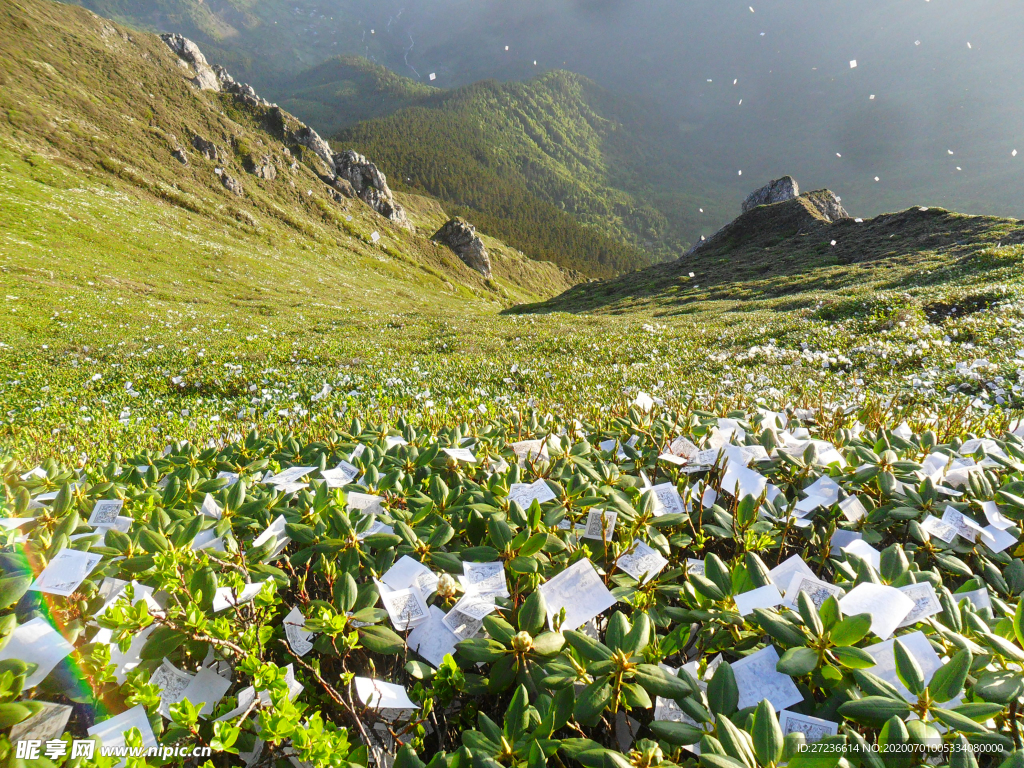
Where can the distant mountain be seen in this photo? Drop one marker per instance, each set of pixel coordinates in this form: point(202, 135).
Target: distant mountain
point(532, 162)
point(262, 41)
point(346, 90)
point(805, 254)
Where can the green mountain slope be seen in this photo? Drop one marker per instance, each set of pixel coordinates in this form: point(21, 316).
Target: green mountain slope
point(94, 123)
point(528, 161)
point(787, 257)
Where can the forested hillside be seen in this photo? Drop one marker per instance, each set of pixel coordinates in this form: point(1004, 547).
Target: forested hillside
point(530, 162)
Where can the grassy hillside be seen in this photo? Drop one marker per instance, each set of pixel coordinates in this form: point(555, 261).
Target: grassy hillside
point(530, 160)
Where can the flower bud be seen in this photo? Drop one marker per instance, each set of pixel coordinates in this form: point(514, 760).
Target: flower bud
point(522, 642)
point(446, 585)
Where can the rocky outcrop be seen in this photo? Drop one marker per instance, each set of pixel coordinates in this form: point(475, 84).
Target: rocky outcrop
point(261, 167)
point(205, 78)
point(311, 140)
point(349, 174)
point(206, 148)
point(230, 182)
point(828, 204)
point(179, 155)
point(778, 207)
point(370, 185)
point(777, 191)
point(459, 235)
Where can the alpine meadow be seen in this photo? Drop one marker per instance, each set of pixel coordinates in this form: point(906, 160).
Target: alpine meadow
point(466, 385)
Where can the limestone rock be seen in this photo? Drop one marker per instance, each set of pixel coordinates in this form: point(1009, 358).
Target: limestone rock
point(343, 186)
point(262, 168)
point(180, 156)
point(828, 204)
point(311, 140)
point(205, 78)
point(242, 91)
point(370, 185)
point(777, 191)
point(459, 235)
point(230, 182)
point(206, 148)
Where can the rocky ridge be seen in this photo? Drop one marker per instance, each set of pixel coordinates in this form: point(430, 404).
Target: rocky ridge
point(808, 210)
point(777, 191)
point(348, 174)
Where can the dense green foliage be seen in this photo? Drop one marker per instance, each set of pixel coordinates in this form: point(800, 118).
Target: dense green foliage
point(521, 694)
point(530, 162)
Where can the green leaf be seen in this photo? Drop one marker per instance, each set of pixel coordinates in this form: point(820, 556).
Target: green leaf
point(12, 713)
point(1001, 687)
point(533, 613)
point(779, 629)
point(161, 643)
point(809, 613)
point(851, 629)
point(481, 649)
point(798, 661)
point(718, 573)
point(419, 670)
point(679, 734)
point(707, 588)
point(204, 582)
point(710, 760)
point(961, 755)
point(874, 710)
point(12, 588)
point(735, 742)
point(587, 647)
point(592, 701)
point(637, 637)
point(658, 682)
point(908, 670)
point(548, 643)
point(499, 629)
point(957, 722)
point(381, 640)
point(875, 686)
point(767, 734)
point(949, 679)
point(853, 658)
point(407, 758)
point(723, 694)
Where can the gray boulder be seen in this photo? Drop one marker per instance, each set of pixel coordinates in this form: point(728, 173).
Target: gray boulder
point(828, 204)
point(205, 78)
point(777, 191)
point(230, 183)
point(206, 148)
point(370, 185)
point(180, 156)
point(459, 235)
point(262, 167)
